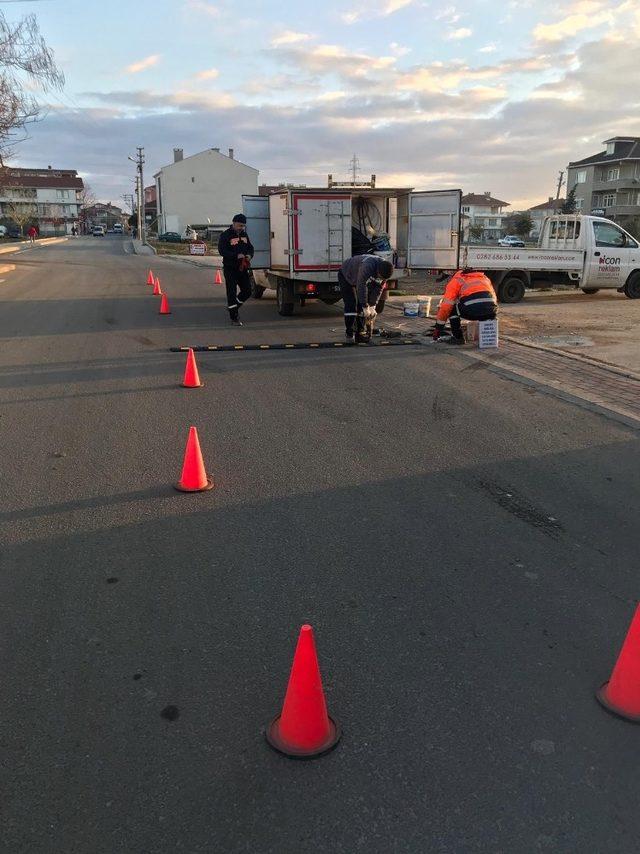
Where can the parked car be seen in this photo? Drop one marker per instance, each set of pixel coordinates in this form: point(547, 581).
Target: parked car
point(511, 240)
point(170, 237)
point(13, 231)
point(98, 231)
point(117, 228)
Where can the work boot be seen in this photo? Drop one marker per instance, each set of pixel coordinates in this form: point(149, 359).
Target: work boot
point(361, 338)
point(456, 339)
point(350, 338)
point(235, 321)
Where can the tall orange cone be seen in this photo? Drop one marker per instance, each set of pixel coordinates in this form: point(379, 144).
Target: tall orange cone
point(164, 305)
point(304, 729)
point(150, 279)
point(194, 476)
point(157, 290)
point(191, 375)
point(621, 694)
point(218, 279)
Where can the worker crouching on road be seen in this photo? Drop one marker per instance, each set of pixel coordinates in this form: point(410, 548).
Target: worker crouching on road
point(236, 250)
point(362, 280)
point(469, 295)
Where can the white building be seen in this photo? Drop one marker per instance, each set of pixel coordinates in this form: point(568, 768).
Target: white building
point(484, 212)
point(205, 189)
point(539, 212)
point(47, 198)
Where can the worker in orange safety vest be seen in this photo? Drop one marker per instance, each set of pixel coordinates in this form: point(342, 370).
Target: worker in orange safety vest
point(469, 295)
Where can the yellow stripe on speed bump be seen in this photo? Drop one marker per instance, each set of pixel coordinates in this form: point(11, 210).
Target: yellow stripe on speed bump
point(289, 346)
point(238, 346)
point(265, 346)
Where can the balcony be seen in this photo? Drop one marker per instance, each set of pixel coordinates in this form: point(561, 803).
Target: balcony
point(613, 186)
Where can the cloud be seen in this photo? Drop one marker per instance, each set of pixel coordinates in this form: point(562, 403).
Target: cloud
point(148, 62)
point(399, 49)
point(375, 9)
point(207, 74)
point(461, 33)
point(488, 48)
point(290, 37)
point(449, 15)
point(583, 15)
point(204, 8)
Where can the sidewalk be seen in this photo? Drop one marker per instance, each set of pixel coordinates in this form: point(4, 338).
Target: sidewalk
point(574, 377)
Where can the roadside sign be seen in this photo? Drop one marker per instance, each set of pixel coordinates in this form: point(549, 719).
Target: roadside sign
point(197, 248)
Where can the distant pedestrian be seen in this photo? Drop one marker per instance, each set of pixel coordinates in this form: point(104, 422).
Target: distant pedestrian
point(236, 250)
point(31, 234)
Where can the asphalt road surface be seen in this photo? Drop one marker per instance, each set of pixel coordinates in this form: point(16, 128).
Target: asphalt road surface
point(465, 547)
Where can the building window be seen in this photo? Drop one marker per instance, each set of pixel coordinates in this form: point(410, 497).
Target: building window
point(579, 204)
point(193, 180)
point(581, 176)
point(465, 209)
point(608, 200)
point(613, 174)
point(611, 147)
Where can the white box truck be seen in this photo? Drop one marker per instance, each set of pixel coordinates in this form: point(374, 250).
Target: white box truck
point(302, 236)
point(588, 252)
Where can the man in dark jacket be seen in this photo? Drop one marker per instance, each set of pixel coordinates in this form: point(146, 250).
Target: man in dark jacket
point(362, 279)
point(236, 250)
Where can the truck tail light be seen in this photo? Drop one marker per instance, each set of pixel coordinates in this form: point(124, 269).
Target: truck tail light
point(311, 289)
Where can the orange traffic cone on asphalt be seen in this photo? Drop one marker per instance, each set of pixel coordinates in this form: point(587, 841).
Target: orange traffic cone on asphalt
point(164, 305)
point(157, 290)
point(191, 375)
point(218, 279)
point(150, 279)
point(304, 729)
point(194, 476)
point(621, 694)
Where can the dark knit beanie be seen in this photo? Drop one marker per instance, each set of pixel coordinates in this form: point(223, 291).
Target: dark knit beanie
point(240, 218)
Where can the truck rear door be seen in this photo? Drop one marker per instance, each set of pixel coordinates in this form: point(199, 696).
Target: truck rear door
point(256, 210)
point(321, 231)
point(434, 229)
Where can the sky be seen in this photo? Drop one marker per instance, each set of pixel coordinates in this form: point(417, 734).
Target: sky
point(482, 95)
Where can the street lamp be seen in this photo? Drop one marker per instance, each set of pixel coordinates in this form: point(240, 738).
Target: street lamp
point(138, 192)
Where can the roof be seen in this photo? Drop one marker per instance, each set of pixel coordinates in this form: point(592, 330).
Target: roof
point(41, 178)
point(199, 154)
point(475, 199)
point(553, 204)
point(628, 148)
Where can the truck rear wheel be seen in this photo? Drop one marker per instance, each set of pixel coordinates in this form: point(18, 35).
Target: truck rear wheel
point(284, 295)
point(632, 288)
point(589, 290)
point(511, 290)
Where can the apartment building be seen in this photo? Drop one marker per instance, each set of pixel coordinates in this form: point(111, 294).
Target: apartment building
point(46, 197)
point(482, 211)
point(608, 183)
point(204, 189)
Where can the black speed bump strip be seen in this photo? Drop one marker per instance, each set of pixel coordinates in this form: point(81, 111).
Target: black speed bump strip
point(322, 345)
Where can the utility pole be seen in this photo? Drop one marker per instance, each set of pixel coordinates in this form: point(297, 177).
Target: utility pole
point(560, 183)
point(139, 161)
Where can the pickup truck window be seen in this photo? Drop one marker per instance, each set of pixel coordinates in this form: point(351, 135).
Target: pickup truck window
point(560, 230)
point(607, 234)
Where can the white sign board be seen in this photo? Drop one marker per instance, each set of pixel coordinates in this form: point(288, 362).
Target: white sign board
point(488, 334)
point(197, 249)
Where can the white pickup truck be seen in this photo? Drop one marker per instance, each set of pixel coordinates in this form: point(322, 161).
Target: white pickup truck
point(589, 252)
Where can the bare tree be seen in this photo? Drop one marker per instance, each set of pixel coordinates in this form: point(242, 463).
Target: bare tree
point(21, 213)
point(25, 63)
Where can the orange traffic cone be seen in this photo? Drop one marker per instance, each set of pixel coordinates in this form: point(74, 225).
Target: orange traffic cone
point(304, 729)
point(218, 279)
point(191, 375)
point(157, 290)
point(150, 279)
point(194, 477)
point(164, 305)
point(621, 694)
